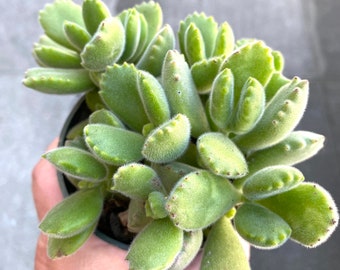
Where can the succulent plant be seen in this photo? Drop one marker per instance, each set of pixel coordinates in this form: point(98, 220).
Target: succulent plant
point(199, 143)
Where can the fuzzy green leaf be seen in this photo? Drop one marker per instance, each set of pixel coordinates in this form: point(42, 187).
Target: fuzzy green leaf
point(221, 156)
point(170, 173)
point(221, 101)
point(194, 45)
point(207, 27)
point(78, 142)
point(212, 124)
point(51, 56)
point(250, 107)
point(244, 42)
point(204, 73)
point(154, 99)
point(94, 101)
point(45, 40)
point(77, 163)
point(223, 249)
point(96, 77)
point(58, 80)
point(118, 88)
point(199, 199)
point(136, 181)
point(181, 92)
point(77, 130)
point(106, 117)
point(53, 16)
point(59, 247)
point(164, 242)
point(191, 245)
point(169, 141)
point(132, 23)
point(94, 12)
point(147, 129)
point(271, 181)
point(153, 14)
point(224, 40)
point(137, 219)
point(114, 145)
point(279, 61)
point(153, 57)
point(309, 210)
point(190, 155)
point(105, 47)
point(280, 117)
point(297, 147)
point(155, 205)
point(143, 42)
point(261, 227)
point(274, 85)
point(73, 215)
point(245, 63)
point(76, 35)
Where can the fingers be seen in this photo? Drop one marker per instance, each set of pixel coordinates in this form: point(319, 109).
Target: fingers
point(45, 187)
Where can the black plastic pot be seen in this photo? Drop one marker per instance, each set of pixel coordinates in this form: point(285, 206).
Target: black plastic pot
point(79, 113)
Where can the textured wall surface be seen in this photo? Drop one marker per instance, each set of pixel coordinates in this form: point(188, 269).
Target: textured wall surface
point(306, 31)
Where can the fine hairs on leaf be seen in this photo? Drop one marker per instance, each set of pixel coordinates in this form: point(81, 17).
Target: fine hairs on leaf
point(186, 148)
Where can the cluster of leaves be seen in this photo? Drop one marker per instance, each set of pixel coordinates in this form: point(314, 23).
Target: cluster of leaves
point(201, 142)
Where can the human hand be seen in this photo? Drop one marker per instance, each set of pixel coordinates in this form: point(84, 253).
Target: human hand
point(96, 253)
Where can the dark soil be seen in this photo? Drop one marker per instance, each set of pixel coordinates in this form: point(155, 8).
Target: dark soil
point(110, 223)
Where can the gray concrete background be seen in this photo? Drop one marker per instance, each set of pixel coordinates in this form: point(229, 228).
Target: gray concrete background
point(306, 31)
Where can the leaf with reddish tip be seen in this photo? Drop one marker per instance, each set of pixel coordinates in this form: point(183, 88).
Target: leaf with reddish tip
point(199, 199)
point(309, 210)
point(260, 226)
point(271, 181)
